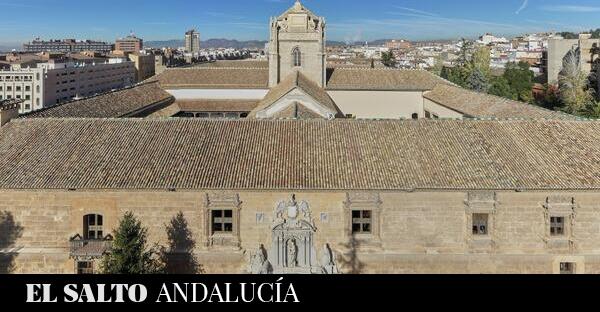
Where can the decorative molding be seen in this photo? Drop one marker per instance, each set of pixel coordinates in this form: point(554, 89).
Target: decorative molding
point(365, 201)
point(222, 201)
point(560, 205)
point(481, 202)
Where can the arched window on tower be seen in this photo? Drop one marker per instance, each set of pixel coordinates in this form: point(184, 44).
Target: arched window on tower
point(297, 56)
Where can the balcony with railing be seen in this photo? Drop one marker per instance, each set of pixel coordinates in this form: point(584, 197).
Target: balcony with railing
point(89, 249)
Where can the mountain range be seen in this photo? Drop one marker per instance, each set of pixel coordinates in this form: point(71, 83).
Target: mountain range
point(229, 43)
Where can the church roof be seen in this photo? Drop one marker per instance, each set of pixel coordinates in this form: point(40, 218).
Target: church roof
point(475, 104)
point(194, 154)
point(120, 103)
point(300, 81)
point(215, 78)
point(381, 79)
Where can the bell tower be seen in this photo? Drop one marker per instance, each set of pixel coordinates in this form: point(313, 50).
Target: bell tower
point(297, 43)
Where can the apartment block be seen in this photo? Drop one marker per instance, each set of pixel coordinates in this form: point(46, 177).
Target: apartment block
point(61, 80)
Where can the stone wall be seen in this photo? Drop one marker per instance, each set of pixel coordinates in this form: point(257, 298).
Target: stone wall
point(414, 232)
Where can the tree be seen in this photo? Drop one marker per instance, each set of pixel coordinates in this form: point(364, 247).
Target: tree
point(480, 60)
point(573, 86)
point(458, 75)
point(466, 48)
point(129, 253)
point(388, 59)
point(477, 81)
point(438, 65)
point(499, 86)
point(520, 79)
point(550, 98)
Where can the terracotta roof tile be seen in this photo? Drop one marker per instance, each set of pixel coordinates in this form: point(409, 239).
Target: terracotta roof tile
point(119, 103)
point(299, 154)
point(474, 104)
point(214, 78)
point(381, 79)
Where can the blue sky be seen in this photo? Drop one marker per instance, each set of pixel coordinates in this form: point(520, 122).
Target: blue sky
point(248, 19)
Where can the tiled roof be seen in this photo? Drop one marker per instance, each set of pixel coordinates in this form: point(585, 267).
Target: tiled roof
point(474, 104)
point(214, 78)
point(206, 105)
point(381, 79)
point(299, 154)
point(237, 64)
point(291, 82)
point(122, 103)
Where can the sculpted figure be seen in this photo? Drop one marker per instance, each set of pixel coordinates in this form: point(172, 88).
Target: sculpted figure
point(327, 261)
point(260, 264)
point(292, 254)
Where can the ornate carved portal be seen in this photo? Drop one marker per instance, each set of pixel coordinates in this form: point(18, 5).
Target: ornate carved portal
point(292, 249)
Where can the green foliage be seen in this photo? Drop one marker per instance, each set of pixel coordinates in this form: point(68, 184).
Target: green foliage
point(550, 98)
point(129, 254)
point(477, 81)
point(499, 86)
point(575, 94)
point(388, 59)
point(466, 50)
point(569, 35)
point(458, 75)
point(520, 79)
point(480, 61)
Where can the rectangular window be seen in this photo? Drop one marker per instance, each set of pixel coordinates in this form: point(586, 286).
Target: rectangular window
point(362, 221)
point(557, 226)
point(427, 115)
point(85, 267)
point(567, 268)
point(222, 221)
point(94, 227)
point(480, 224)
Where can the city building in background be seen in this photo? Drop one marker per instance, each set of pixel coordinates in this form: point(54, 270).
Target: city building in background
point(398, 44)
point(66, 46)
point(49, 79)
point(192, 41)
point(145, 65)
point(582, 48)
point(130, 43)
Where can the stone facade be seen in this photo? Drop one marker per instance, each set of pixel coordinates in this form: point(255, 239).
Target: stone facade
point(297, 44)
point(412, 232)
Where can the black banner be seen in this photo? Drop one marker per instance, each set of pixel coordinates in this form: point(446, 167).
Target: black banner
point(293, 291)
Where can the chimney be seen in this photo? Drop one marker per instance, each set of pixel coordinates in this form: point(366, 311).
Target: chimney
point(9, 109)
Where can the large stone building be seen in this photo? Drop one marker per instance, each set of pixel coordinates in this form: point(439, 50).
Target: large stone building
point(279, 180)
